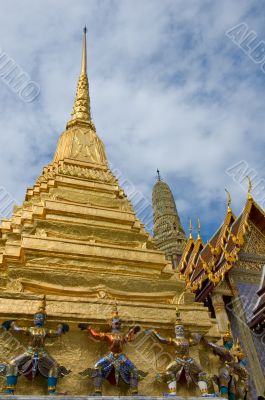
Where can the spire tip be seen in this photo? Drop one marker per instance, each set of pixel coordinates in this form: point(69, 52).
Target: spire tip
point(249, 187)
point(228, 201)
point(191, 237)
point(81, 111)
point(199, 228)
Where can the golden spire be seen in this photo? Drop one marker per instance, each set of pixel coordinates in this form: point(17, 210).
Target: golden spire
point(249, 188)
point(84, 55)
point(228, 201)
point(199, 228)
point(81, 111)
point(190, 237)
point(158, 175)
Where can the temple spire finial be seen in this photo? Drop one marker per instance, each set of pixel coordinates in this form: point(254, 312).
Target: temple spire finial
point(249, 188)
point(81, 114)
point(158, 175)
point(228, 201)
point(199, 228)
point(190, 237)
point(84, 54)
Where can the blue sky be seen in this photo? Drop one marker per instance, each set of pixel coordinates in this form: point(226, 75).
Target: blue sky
point(168, 88)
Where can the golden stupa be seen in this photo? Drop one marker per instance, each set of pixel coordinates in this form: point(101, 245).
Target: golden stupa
point(77, 240)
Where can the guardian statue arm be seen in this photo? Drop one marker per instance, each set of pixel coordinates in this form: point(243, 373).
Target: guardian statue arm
point(132, 332)
point(93, 332)
point(61, 328)
point(11, 325)
point(96, 334)
point(194, 339)
point(221, 351)
point(161, 339)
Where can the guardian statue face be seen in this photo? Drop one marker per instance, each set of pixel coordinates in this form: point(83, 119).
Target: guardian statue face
point(116, 324)
point(179, 330)
point(39, 319)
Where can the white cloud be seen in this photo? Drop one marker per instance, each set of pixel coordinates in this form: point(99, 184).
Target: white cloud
point(168, 90)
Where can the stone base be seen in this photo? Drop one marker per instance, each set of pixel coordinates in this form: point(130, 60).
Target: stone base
point(104, 398)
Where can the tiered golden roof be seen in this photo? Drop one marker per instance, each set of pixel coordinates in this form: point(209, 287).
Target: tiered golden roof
point(190, 255)
point(221, 252)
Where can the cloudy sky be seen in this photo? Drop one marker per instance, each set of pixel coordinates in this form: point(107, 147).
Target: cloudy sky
point(169, 90)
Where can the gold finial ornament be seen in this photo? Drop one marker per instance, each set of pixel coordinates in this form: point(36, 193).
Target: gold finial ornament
point(249, 187)
point(42, 307)
point(190, 237)
point(228, 333)
point(84, 54)
point(199, 228)
point(237, 350)
point(81, 111)
point(228, 201)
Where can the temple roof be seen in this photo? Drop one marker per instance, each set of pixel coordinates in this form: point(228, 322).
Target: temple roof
point(222, 251)
point(190, 254)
